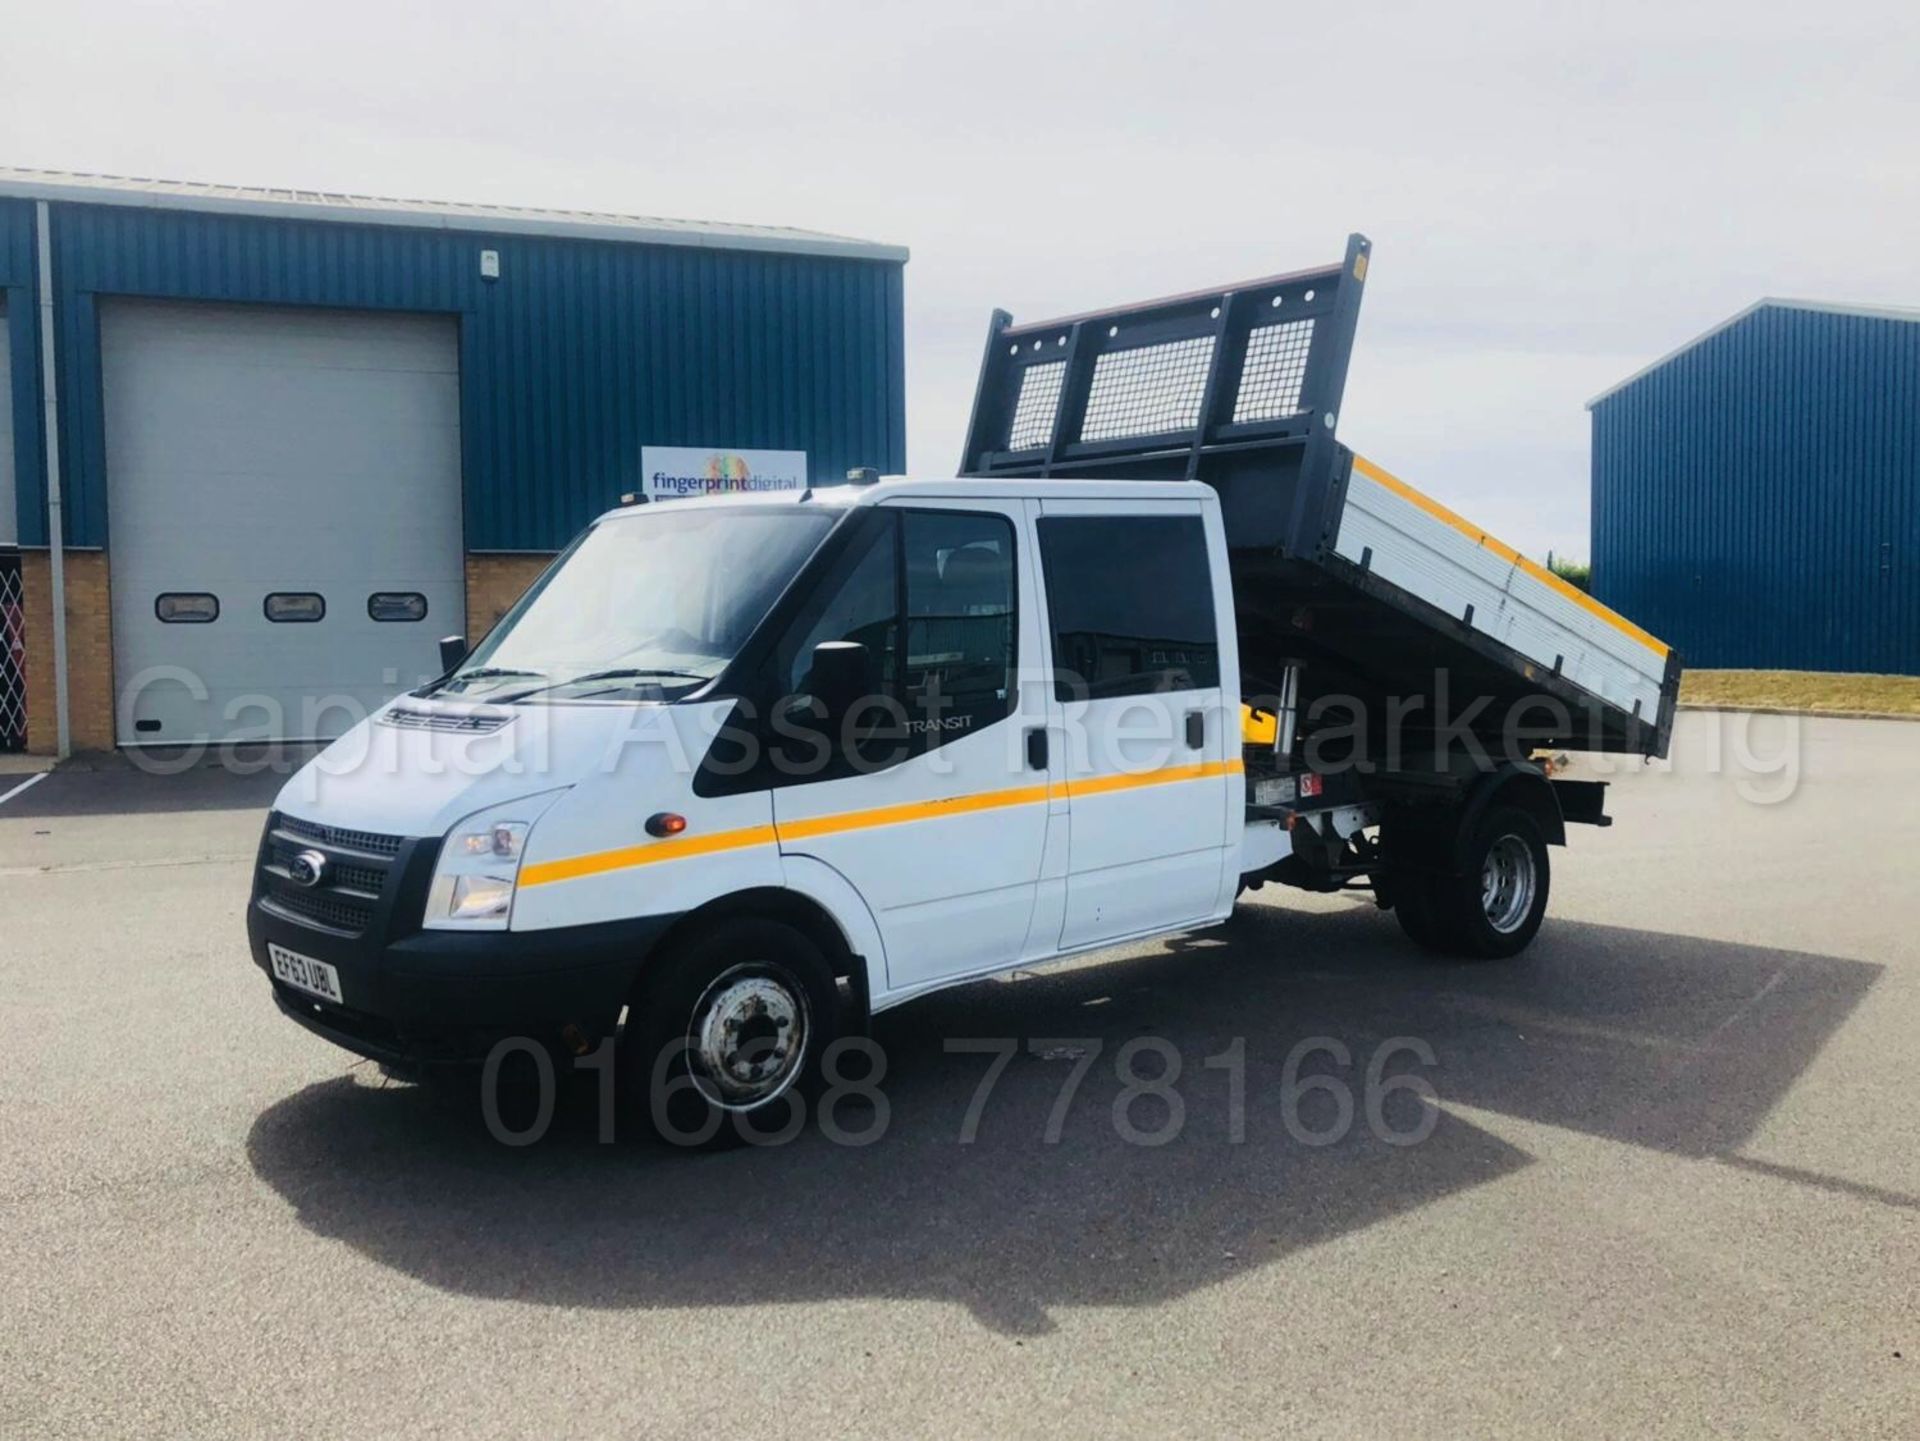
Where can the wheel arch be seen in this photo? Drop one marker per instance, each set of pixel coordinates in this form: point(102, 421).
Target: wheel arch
point(1425, 835)
point(1517, 784)
point(843, 946)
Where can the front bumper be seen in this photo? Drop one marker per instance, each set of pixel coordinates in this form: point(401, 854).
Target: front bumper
point(414, 997)
point(447, 997)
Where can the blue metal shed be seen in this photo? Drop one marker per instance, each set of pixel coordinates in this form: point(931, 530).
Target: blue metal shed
point(1756, 493)
point(299, 435)
point(600, 334)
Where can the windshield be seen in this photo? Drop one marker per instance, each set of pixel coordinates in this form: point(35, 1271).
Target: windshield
point(648, 605)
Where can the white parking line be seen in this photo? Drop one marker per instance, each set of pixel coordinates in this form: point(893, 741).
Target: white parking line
point(26, 784)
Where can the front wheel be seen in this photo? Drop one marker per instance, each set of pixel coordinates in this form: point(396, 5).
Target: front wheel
point(725, 1035)
point(1492, 908)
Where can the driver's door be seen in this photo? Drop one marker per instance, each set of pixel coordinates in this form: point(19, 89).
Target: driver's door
point(940, 819)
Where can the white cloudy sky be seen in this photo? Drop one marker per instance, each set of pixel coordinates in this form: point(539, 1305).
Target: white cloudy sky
point(1557, 193)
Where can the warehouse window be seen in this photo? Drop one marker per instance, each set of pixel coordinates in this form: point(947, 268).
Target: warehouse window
point(294, 607)
point(177, 607)
point(1132, 604)
point(397, 605)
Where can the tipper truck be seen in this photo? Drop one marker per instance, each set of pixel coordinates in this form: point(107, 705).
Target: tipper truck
point(739, 772)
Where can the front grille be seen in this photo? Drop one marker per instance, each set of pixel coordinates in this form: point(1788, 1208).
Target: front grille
point(354, 886)
point(342, 915)
point(369, 841)
point(341, 875)
point(360, 878)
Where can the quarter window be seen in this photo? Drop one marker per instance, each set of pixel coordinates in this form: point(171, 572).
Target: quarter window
point(397, 605)
point(177, 607)
point(295, 607)
point(860, 605)
point(1131, 600)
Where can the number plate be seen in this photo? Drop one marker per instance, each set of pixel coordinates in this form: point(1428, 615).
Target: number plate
point(316, 978)
point(1280, 791)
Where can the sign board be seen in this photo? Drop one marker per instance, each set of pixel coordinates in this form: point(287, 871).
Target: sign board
point(678, 470)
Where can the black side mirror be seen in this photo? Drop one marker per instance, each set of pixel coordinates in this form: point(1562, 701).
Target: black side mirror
point(841, 675)
point(453, 650)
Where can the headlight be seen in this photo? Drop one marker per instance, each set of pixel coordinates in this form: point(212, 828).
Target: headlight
point(480, 864)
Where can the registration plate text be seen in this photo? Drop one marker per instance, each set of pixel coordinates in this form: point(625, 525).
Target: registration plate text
point(316, 978)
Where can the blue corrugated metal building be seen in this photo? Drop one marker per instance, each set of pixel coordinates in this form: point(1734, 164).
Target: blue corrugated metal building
point(569, 343)
point(1756, 493)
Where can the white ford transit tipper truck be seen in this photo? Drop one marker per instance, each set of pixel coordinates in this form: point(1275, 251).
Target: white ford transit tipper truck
point(737, 773)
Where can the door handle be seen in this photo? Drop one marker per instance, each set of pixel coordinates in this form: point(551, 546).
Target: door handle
point(1196, 729)
point(1037, 749)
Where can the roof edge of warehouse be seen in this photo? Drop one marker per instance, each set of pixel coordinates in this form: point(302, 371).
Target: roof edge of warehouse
point(1824, 307)
point(86, 189)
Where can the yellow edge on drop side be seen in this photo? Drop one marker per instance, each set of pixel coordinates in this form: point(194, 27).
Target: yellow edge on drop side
point(1507, 553)
point(680, 847)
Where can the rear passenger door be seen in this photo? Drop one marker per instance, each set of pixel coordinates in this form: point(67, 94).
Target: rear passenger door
point(1133, 609)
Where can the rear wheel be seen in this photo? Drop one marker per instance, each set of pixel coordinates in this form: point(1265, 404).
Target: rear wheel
point(1492, 908)
point(725, 1034)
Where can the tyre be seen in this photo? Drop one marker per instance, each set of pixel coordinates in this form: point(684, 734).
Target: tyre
point(724, 1036)
point(1411, 847)
point(1492, 909)
point(1413, 906)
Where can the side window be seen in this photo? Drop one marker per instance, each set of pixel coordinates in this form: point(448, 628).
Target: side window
point(1131, 600)
point(858, 602)
point(960, 618)
point(931, 596)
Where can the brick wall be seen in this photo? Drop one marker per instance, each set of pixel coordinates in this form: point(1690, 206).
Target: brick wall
point(89, 652)
point(494, 583)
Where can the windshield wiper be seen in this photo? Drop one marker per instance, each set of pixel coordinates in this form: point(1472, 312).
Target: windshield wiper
point(485, 672)
point(490, 672)
point(631, 673)
point(619, 673)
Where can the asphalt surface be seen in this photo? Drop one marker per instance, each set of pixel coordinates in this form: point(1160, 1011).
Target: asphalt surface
point(1672, 1183)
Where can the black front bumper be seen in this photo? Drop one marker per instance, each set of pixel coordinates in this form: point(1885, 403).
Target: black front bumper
point(412, 997)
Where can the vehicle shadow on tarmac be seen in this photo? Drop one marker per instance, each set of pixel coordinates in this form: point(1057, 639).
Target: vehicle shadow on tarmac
point(1679, 1044)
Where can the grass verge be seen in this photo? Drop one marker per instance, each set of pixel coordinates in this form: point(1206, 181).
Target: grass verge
point(1802, 690)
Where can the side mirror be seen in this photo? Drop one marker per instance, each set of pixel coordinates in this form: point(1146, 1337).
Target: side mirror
point(453, 650)
point(841, 675)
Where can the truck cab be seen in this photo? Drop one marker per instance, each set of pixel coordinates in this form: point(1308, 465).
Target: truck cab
point(852, 748)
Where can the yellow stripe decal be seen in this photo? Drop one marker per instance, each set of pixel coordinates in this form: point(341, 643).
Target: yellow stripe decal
point(673, 848)
point(1128, 780)
point(1507, 553)
point(680, 847)
point(810, 826)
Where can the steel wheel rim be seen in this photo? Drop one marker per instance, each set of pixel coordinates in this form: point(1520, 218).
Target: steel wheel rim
point(1507, 880)
point(747, 1036)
